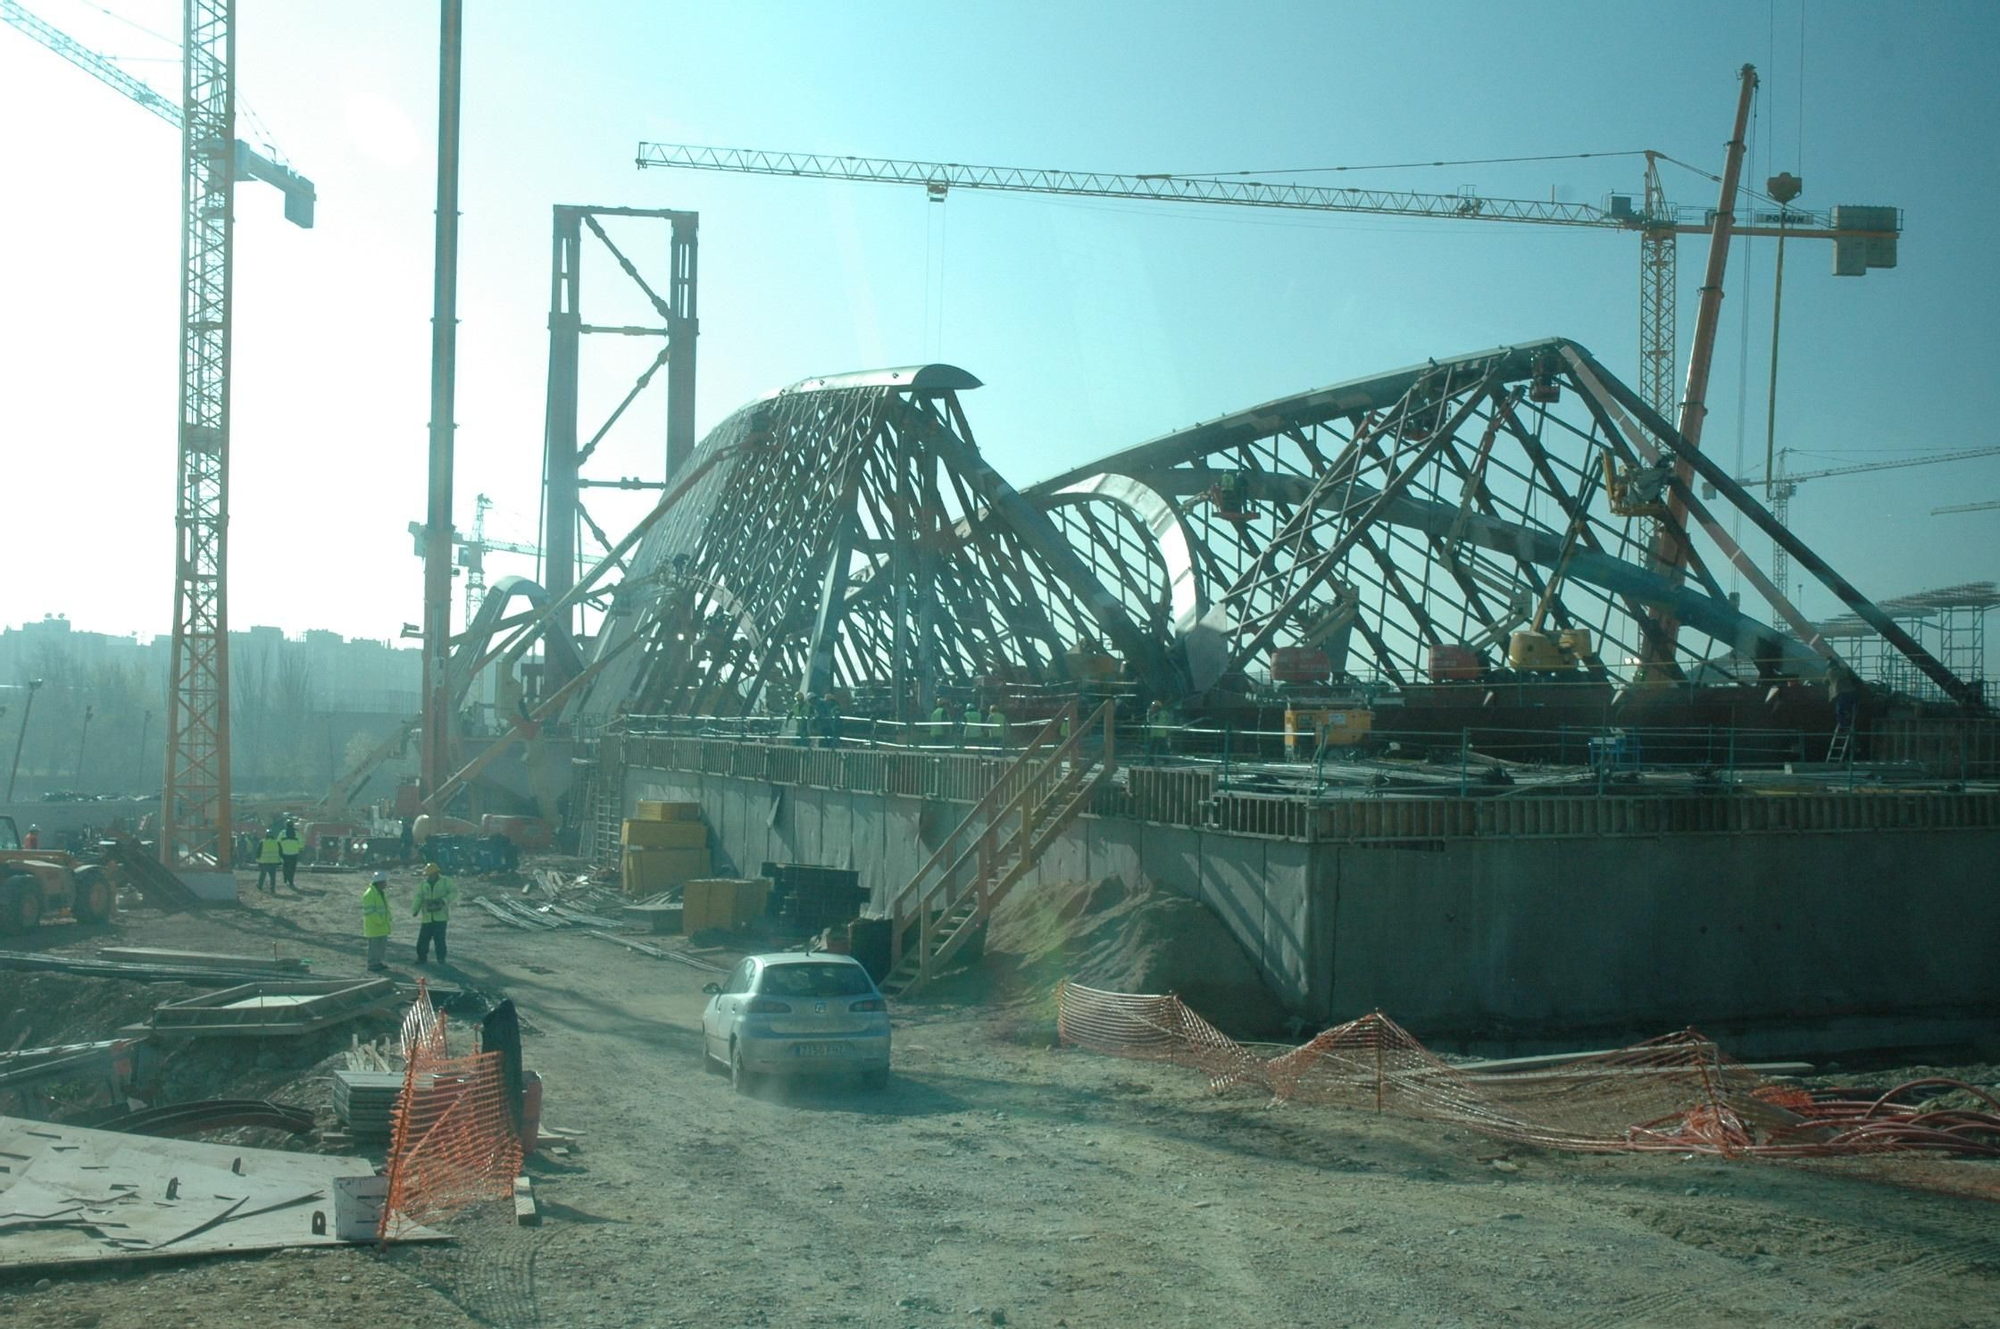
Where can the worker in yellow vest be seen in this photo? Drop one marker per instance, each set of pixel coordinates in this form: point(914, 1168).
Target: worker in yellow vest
point(376, 923)
point(290, 846)
point(270, 856)
point(433, 910)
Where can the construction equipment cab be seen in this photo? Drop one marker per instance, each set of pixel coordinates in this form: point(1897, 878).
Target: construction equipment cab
point(37, 882)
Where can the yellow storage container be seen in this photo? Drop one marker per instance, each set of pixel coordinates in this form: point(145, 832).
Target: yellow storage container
point(650, 871)
point(643, 834)
point(721, 902)
point(706, 903)
point(653, 809)
point(694, 907)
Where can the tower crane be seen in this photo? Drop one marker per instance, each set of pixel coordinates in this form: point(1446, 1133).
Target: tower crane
point(1780, 485)
point(194, 803)
point(472, 553)
point(1863, 238)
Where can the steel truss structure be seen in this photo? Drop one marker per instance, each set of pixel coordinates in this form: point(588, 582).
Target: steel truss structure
point(848, 536)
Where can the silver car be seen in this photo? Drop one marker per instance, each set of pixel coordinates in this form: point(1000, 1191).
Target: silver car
point(797, 1014)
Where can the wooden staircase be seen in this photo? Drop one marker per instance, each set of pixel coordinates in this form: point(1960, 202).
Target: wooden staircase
point(1034, 801)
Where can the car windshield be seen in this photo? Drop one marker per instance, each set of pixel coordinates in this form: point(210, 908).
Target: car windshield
point(814, 980)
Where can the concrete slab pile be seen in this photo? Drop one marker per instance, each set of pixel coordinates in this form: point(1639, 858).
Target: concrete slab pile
point(75, 1196)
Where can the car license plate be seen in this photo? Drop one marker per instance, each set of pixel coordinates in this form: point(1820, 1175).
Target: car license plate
point(819, 1049)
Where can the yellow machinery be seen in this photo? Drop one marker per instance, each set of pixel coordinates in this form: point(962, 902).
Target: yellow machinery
point(1326, 728)
point(1638, 491)
point(1534, 652)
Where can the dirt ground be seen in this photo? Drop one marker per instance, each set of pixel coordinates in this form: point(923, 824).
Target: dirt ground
point(1002, 1180)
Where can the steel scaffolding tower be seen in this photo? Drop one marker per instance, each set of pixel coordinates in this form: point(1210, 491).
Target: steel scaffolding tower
point(677, 328)
point(194, 807)
point(195, 802)
point(1659, 263)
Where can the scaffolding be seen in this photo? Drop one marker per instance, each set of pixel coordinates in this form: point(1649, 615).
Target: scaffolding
point(1949, 621)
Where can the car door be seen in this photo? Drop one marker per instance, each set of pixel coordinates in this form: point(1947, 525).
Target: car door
point(718, 1020)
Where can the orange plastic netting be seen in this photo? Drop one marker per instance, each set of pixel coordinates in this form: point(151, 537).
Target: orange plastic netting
point(454, 1142)
point(1676, 1093)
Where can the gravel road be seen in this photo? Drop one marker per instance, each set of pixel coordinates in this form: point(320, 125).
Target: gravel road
point(1000, 1180)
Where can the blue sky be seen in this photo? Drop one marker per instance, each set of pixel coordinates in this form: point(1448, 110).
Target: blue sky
point(1093, 324)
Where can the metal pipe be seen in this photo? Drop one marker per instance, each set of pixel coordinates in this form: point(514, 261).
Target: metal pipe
point(436, 751)
point(27, 713)
point(83, 740)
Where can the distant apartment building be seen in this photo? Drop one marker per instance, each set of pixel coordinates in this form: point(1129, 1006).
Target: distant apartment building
point(296, 705)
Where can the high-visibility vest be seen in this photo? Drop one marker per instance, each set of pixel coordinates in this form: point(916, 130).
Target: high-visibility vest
point(291, 846)
point(940, 721)
point(375, 921)
point(268, 851)
point(997, 721)
point(433, 903)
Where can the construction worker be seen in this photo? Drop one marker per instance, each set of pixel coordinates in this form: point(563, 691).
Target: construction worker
point(290, 846)
point(33, 839)
point(1159, 730)
point(940, 724)
point(998, 725)
point(270, 857)
point(433, 910)
point(973, 725)
point(375, 922)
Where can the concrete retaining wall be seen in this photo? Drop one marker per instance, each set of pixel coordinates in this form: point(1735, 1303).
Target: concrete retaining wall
point(1869, 938)
point(1259, 888)
point(1526, 938)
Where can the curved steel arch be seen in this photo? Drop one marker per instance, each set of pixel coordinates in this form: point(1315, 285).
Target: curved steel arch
point(850, 537)
point(1443, 494)
point(846, 534)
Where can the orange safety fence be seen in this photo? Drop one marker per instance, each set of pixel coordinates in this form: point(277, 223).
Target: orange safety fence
point(453, 1142)
point(1676, 1093)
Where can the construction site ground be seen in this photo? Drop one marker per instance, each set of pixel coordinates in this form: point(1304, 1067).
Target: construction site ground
point(1003, 1180)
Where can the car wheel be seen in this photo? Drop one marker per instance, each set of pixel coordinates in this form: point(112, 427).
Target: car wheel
point(875, 1079)
point(20, 904)
point(93, 898)
point(740, 1079)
